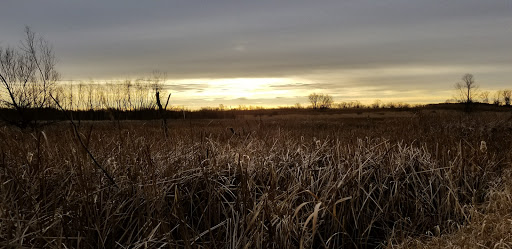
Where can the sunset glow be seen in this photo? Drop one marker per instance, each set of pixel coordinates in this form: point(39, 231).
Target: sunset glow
point(267, 53)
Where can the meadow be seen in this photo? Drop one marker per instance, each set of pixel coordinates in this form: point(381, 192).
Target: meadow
point(413, 179)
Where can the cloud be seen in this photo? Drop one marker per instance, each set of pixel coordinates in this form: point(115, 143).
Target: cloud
point(188, 39)
point(292, 86)
point(240, 48)
point(328, 46)
point(182, 87)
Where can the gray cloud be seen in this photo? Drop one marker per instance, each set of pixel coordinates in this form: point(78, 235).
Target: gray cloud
point(180, 87)
point(292, 86)
point(323, 41)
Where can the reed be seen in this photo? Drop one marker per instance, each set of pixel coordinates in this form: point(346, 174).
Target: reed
point(412, 181)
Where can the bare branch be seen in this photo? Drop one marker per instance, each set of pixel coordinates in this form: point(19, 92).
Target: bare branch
point(28, 74)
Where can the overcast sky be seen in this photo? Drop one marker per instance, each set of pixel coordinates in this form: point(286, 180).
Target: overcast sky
point(393, 50)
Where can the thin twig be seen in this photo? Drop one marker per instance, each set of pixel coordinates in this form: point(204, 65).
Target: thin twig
point(75, 128)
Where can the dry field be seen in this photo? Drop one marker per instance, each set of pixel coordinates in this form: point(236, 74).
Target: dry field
point(422, 180)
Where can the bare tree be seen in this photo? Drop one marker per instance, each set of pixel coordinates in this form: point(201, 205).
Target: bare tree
point(60, 95)
point(506, 94)
point(322, 101)
point(127, 89)
point(377, 104)
point(27, 75)
point(314, 99)
point(497, 98)
point(69, 96)
point(143, 98)
point(340, 105)
point(325, 101)
point(484, 96)
point(90, 96)
point(80, 96)
point(354, 104)
point(467, 88)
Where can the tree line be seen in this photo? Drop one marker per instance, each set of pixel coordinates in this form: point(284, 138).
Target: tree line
point(325, 101)
point(468, 92)
point(29, 81)
point(126, 95)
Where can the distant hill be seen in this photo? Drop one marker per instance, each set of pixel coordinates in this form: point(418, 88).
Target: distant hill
point(51, 114)
point(473, 107)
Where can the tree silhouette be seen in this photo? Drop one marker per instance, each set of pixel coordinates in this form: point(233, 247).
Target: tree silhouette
point(484, 96)
point(322, 101)
point(314, 99)
point(326, 101)
point(507, 95)
point(27, 75)
point(467, 88)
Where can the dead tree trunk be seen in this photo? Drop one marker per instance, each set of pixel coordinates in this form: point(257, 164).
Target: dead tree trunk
point(162, 112)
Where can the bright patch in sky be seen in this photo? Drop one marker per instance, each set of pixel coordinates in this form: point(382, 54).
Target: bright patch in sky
point(233, 89)
point(244, 87)
point(275, 53)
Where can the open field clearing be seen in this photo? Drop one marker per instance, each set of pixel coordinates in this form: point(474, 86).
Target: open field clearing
point(404, 180)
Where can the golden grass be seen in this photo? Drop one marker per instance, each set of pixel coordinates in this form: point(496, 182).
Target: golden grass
point(302, 183)
point(490, 225)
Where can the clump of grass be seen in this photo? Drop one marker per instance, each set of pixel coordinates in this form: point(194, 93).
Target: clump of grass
point(279, 184)
point(490, 225)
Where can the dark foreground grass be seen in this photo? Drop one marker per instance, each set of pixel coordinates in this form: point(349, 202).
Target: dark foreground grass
point(426, 180)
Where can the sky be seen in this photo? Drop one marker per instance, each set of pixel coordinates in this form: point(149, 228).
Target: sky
point(275, 53)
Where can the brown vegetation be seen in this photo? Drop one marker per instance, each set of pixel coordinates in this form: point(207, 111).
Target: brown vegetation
point(423, 179)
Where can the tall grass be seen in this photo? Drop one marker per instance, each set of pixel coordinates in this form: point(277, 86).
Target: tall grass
point(332, 183)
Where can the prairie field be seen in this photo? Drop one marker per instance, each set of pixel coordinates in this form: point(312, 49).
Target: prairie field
point(423, 179)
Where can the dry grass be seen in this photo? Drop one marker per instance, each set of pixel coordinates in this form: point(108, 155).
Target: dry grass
point(490, 225)
point(418, 181)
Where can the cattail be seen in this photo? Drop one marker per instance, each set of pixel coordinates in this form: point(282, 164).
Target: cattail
point(30, 155)
point(483, 146)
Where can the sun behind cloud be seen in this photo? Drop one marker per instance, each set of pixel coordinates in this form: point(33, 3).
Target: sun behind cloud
point(237, 88)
